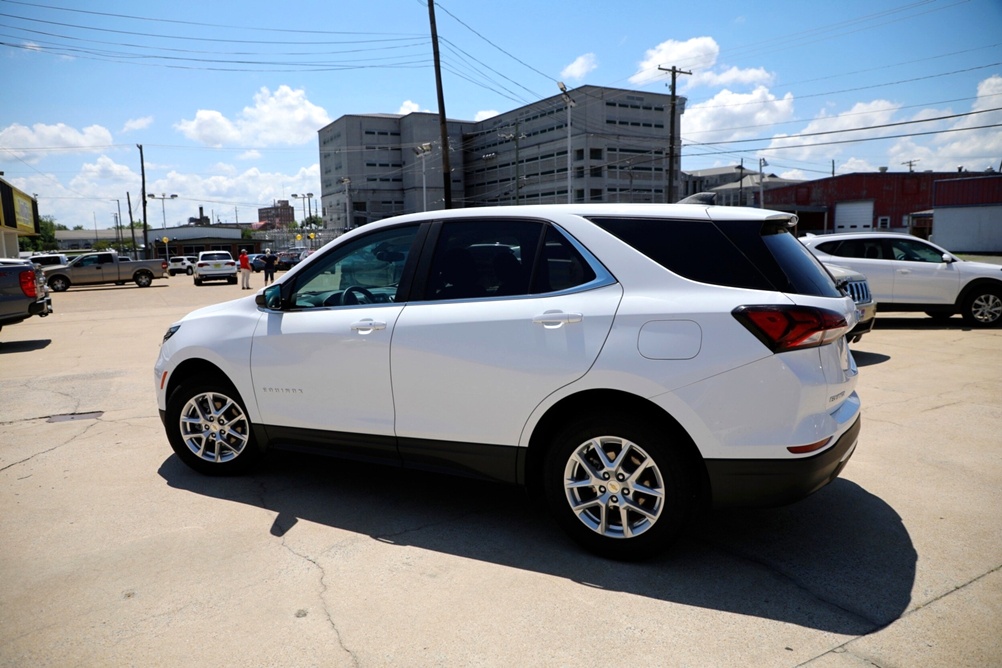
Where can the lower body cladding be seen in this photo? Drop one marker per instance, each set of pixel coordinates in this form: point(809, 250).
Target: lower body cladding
point(776, 482)
point(732, 482)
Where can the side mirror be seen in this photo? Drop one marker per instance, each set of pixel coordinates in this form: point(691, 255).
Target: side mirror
point(270, 298)
point(949, 259)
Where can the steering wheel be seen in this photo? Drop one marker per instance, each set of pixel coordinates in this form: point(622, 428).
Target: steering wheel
point(351, 295)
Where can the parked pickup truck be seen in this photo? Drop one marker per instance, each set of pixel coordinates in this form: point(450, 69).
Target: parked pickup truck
point(22, 292)
point(104, 267)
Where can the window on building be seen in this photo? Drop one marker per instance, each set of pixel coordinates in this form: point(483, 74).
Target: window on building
point(595, 154)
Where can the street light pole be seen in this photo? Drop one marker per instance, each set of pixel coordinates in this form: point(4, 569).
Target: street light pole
point(761, 190)
point(347, 202)
point(163, 197)
point(570, 103)
point(422, 151)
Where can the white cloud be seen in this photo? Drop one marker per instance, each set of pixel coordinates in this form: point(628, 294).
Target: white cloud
point(250, 155)
point(137, 124)
point(861, 115)
point(581, 66)
point(284, 117)
point(695, 54)
point(485, 114)
point(20, 140)
point(410, 107)
point(728, 116)
point(698, 56)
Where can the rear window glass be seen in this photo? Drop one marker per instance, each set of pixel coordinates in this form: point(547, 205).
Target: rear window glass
point(738, 254)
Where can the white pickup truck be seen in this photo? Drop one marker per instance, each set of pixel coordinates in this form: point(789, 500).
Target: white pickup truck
point(104, 267)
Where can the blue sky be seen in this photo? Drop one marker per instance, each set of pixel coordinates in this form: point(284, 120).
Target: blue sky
point(227, 98)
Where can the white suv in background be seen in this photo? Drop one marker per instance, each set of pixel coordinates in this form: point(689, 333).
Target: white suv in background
point(215, 266)
point(630, 363)
point(911, 274)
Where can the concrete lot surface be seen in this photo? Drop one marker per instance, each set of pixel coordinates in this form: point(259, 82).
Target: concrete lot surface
point(115, 554)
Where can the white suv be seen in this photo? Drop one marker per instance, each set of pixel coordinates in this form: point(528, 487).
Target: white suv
point(215, 266)
point(181, 264)
point(628, 362)
point(911, 274)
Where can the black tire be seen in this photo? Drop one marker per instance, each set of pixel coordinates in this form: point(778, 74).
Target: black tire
point(208, 427)
point(629, 482)
point(198, 281)
point(232, 281)
point(983, 306)
point(189, 271)
point(58, 283)
point(143, 279)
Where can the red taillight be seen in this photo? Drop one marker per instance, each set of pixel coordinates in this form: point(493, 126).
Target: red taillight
point(163, 265)
point(804, 449)
point(231, 264)
point(202, 264)
point(783, 328)
point(28, 285)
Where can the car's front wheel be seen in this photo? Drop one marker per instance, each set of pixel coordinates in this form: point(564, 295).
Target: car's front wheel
point(983, 307)
point(144, 279)
point(620, 488)
point(59, 283)
point(209, 429)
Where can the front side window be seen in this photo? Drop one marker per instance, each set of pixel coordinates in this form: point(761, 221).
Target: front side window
point(367, 270)
point(910, 250)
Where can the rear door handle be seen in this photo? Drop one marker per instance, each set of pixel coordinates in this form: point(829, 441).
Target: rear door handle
point(366, 326)
point(554, 319)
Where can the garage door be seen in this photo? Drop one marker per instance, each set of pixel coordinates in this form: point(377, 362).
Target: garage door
point(854, 216)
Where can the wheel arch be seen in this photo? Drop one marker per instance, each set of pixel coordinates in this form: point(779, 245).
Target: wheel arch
point(615, 402)
point(976, 284)
point(205, 370)
point(64, 277)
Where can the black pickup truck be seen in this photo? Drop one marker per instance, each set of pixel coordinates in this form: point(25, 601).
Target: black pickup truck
point(23, 292)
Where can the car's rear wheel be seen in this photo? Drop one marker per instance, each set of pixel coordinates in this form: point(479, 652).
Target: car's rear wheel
point(621, 489)
point(189, 271)
point(198, 281)
point(209, 429)
point(983, 307)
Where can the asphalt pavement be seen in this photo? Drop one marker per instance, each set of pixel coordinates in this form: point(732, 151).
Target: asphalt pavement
point(115, 554)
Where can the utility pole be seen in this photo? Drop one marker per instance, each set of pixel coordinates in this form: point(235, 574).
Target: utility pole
point(443, 126)
point(911, 164)
point(146, 241)
point(128, 199)
point(670, 191)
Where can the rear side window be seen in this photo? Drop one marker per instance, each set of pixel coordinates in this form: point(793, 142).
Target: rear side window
point(738, 254)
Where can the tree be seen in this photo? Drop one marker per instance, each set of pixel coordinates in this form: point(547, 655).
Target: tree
point(46, 239)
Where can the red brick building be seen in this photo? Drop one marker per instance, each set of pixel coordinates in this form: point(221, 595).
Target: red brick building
point(861, 201)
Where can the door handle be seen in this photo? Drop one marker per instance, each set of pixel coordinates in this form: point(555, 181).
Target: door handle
point(366, 326)
point(554, 319)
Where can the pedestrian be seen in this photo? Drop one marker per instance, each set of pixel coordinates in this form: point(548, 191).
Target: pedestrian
point(245, 270)
point(269, 266)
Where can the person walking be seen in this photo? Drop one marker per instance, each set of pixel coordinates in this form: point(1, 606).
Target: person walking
point(270, 261)
point(245, 270)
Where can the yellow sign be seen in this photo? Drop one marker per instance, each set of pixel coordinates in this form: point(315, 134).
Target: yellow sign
point(312, 236)
point(24, 212)
point(299, 237)
point(165, 240)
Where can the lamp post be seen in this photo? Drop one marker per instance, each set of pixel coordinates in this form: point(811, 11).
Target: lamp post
point(306, 197)
point(570, 104)
point(347, 202)
point(422, 151)
point(761, 191)
point(163, 197)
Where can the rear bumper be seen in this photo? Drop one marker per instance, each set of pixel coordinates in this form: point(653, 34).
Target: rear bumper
point(776, 482)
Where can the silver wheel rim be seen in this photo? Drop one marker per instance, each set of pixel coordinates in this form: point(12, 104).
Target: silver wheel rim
point(987, 308)
point(614, 487)
point(214, 427)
